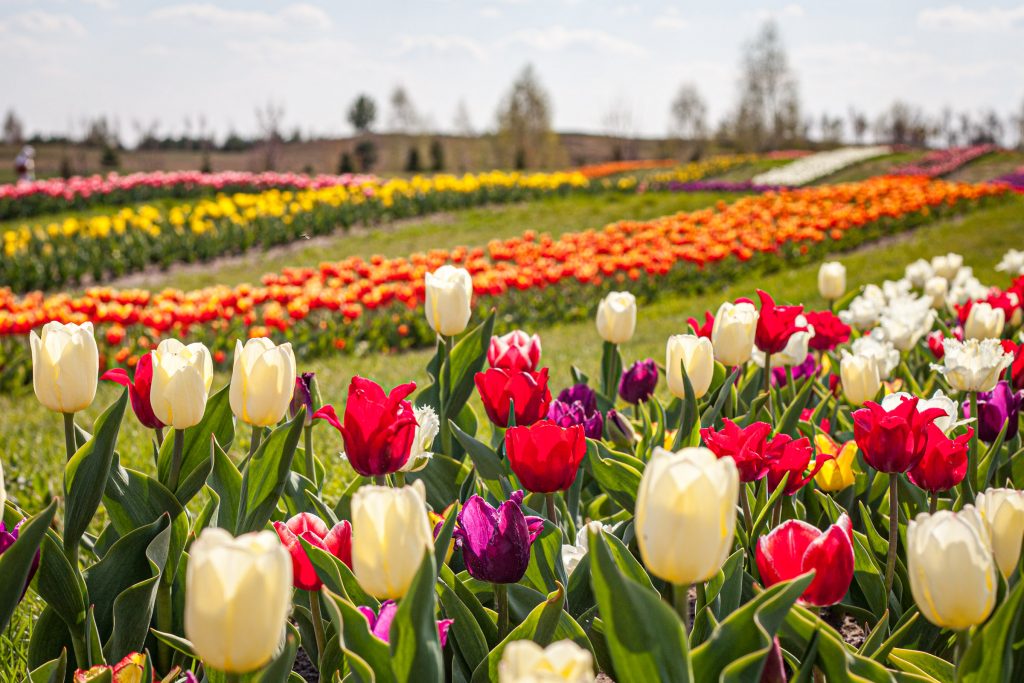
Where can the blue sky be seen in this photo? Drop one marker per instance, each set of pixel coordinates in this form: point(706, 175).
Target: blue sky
point(140, 60)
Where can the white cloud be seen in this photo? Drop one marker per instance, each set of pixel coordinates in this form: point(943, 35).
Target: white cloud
point(298, 15)
point(557, 38)
point(669, 20)
point(41, 22)
point(789, 11)
point(441, 44)
point(105, 5)
point(957, 17)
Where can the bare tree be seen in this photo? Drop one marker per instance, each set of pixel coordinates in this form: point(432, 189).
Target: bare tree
point(831, 128)
point(463, 123)
point(688, 114)
point(14, 129)
point(268, 119)
point(404, 117)
point(768, 112)
point(1018, 120)
point(525, 138)
point(858, 124)
point(618, 124)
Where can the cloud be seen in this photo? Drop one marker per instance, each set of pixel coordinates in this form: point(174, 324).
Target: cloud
point(959, 18)
point(669, 20)
point(298, 15)
point(790, 11)
point(105, 5)
point(40, 22)
point(490, 12)
point(441, 44)
point(558, 38)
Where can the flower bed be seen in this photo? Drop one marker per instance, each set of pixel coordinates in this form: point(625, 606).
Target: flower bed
point(809, 168)
point(1015, 180)
point(942, 162)
point(618, 167)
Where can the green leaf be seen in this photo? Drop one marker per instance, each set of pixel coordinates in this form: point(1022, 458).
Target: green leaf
point(59, 584)
point(51, 672)
point(487, 624)
point(545, 571)
point(787, 423)
point(356, 636)
point(488, 465)
point(415, 648)
point(989, 657)
point(265, 476)
point(931, 667)
point(176, 643)
point(619, 480)
point(196, 461)
point(336, 575)
point(16, 561)
point(866, 571)
point(226, 481)
point(50, 638)
point(467, 359)
point(466, 633)
point(280, 669)
point(443, 541)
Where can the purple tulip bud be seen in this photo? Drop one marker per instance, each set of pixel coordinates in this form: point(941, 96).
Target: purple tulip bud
point(995, 407)
point(582, 393)
point(620, 430)
point(380, 622)
point(496, 542)
point(7, 539)
point(302, 397)
point(638, 382)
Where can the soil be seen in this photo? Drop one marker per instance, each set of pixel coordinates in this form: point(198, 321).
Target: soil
point(305, 668)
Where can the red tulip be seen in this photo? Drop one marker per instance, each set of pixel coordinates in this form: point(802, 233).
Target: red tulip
point(795, 547)
point(515, 351)
point(944, 463)
point(1017, 367)
point(893, 441)
point(935, 340)
point(378, 429)
point(138, 390)
point(705, 329)
point(786, 455)
point(829, 330)
point(527, 390)
point(745, 445)
point(545, 457)
point(775, 324)
point(336, 541)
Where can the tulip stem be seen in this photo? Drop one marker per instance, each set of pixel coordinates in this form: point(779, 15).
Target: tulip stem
point(381, 480)
point(747, 519)
point(165, 621)
point(232, 677)
point(69, 434)
point(768, 382)
point(399, 479)
point(894, 533)
point(255, 440)
point(446, 392)
point(933, 502)
point(549, 498)
point(501, 605)
point(179, 448)
point(310, 460)
point(963, 641)
point(318, 625)
point(681, 601)
point(972, 458)
point(159, 436)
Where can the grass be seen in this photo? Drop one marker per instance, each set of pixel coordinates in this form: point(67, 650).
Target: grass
point(869, 168)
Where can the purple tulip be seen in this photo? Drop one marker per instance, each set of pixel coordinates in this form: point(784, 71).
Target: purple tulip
point(805, 369)
point(496, 542)
point(620, 430)
point(7, 539)
point(638, 382)
point(996, 407)
point(582, 393)
point(572, 414)
point(380, 623)
point(302, 396)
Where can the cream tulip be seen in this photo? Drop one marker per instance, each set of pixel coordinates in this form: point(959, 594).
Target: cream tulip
point(973, 365)
point(732, 334)
point(832, 280)
point(237, 599)
point(686, 514)
point(947, 266)
point(697, 356)
point(859, 375)
point(1003, 512)
point(182, 376)
point(262, 381)
point(524, 661)
point(449, 295)
point(952, 571)
point(937, 288)
point(390, 533)
point(616, 317)
point(984, 322)
point(65, 366)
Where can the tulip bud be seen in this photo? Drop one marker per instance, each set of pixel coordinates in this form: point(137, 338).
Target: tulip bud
point(1003, 512)
point(262, 381)
point(860, 379)
point(620, 430)
point(390, 533)
point(237, 598)
point(449, 293)
point(690, 494)
point(984, 322)
point(305, 395)
point(65, 366)
point(937, 288)
point(733, 333)
point(182, 376)
point(952, 572)
point(697, 356)
point(524, 661)
point(616, 317)
point(832, 280)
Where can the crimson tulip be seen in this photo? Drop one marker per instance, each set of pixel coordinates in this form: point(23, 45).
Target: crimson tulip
point(795, 547)
point(944, 463)
point(313, 530)
point(527, 391)
point(514, 351)
point(895, 440)
point(544, 456)
point(775, 324)
point(705, 329)
point(379, 428)
point(138, 389)
point(786, 455)
point(1017, 367)
point(829, 330)
point(745, 445)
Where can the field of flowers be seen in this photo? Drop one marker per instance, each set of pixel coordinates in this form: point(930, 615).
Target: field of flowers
point(942, 162)
point(816, 166)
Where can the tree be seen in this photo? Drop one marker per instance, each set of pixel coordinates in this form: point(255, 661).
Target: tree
point(767, 115)
point(903, 124)
point(524, 123)
point(618, 124)
point(366, 153)
point(404, 118)
point(462, 122)
point(688, 114)
point(345, 164)
point(831, 128)
point(436, 155)
point(268, 119)
point(14, 129)
point(858, 124)
point(362, 114)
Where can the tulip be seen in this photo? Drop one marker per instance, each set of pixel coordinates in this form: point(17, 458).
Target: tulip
point(947, 266)
point(697, 356)
point(581, 393)
point(1017, 367)
point(831, 280)
point(997, 408)
point(527, 391)
point(837, 463)
point(704, 330)
point(524, 661)
point(776, 324)
point(1003, 512)
point(973, 365)
point(893, 440)
point(262, 381)
point(1012, 263)
point(690, 494)
point(937, 288)
point(859, 377)
point(570, 414)
point(786, 455)
point(884, 354)
point(796, 547)
point(237, 599)
point(638, 382)
point(515, 351)
point(65, 366)
point(616, 317)
point(572, 554)
point(746, 446)
point(951, 568)
point(379, 428)
point(946, 423)
point(427, 428)
point(984, 322)
point(310, 528)
point(496, 542)
point(944, 463)
point(128, 670)
point(733, 333)
point(620, 430)
point(182, 376)
point(138, 390)
point(380, 622)
point(918, 272)
point(305, 395)
point(829, 330)
point(905, 320)
point(390, 534)
point(449, 293)
point(794, 352)
point(545, 457)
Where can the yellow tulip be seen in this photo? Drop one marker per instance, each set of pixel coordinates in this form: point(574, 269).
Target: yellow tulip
point(836, 473)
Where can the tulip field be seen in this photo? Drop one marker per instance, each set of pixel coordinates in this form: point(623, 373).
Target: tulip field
point(752, 432)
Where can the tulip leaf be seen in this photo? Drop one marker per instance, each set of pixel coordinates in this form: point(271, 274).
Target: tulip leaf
point(765, 510)
point(619, 480)
point(545, 571)
point(611, 372)
point(226, 481)
point(488, 465)
point(468, 635)
point(176, 643)
point(442, 477)
point(467, 358)
point(297, 492)
point(866, 572)
point(712, 412)
point(989, 657)
point(86, 472)
point(51, 672)
point(356, 636)
point(645, 637)
point(196, 461)
point(790, 417)
point(487, 624)
point(266, 474)
point(336, 575)
point(932, 668)
point(578, 594)
point(359, 669)
point(93, 643)
point(50, 637)
point(415, 647)
point(689, 424)
point(443, 536)
point(60, 584)
point(16, 561)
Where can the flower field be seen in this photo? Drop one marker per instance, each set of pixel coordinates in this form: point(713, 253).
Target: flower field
point(941, 162)
point(807, 169)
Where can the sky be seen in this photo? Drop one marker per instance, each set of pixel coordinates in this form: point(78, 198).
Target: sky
point(62, 61)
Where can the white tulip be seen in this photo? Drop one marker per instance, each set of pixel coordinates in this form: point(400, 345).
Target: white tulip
point(449, 295)
point(524, 661)
point(884, 354)
point(427, 427)
point(818, 165)
point(697, 356)
point(65, 366)
point(262, 381)
point(573, 553)
point(182, 376)
point(906, 320)
point(1003, 511)
point(832, 280)
point(984, 321)
point(732, 334)
point(1012, 263)
point(616, 317)
point(938, 400)
point(947, 266)
point(919, 272)
point(973, 365)
point(864, 310)
point(859, 375)
point(937, 288)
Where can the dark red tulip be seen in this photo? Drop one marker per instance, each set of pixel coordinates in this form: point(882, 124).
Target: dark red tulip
point(310, 528)
point(775, 324)
point(138, 389)
point(829, 330)
point(786, 455)
point(795, 547)
point(544, 456)
point(893, 441)
point(944, 463)
point(745, 445)
point(303, 396)
point(705, 329)
point(528, 391)
point(496, 542)
point(378, 429)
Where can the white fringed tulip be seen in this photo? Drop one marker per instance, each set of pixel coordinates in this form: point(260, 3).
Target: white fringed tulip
point(859, 375)
point(1012, 263)
point(795, 351)
point(696, 355)
point(427, 427)
point(449, 294)
point(952, 571)
point(390, 533)
point(984, 322)
point(262, 381)
point(616, 317)
point(182, 376)
point(832, 280)
point(65, 366)
point(973, 365)
point(524, 661)
point(732, 334)
point(237, 599)
point(906, 320)
point(1003, 512)
point(686, 495)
